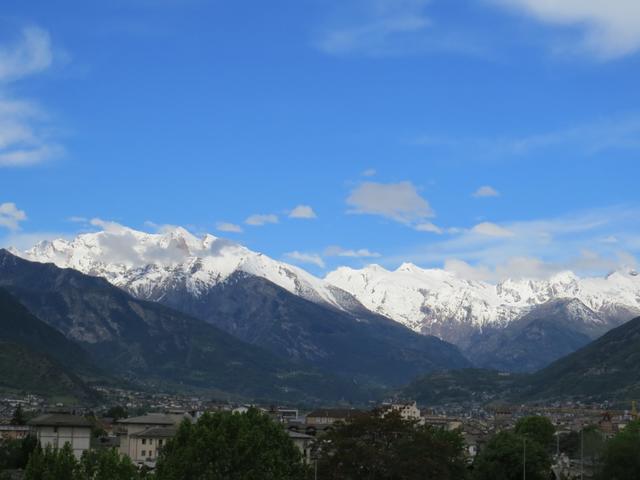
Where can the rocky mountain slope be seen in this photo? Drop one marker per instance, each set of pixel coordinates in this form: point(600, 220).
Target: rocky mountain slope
point(152, 344)
point(37, 358)
point(257, 299)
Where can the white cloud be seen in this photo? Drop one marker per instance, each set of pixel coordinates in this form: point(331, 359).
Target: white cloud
point(429, 227)
point(228, 227)
point(540, 247)
point(374, 27)
point(25, 137)
point(336, 251)
point(610, 28)
point(310, 258)
point(31, 55)
point(369, 172)
point(302, 211)
point(397, 201)
point(486, 191)
point(492, 230)
point(257, 220)
point(11, 216)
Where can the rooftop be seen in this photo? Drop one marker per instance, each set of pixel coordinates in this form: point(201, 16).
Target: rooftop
point(60, 420)
point(150, 419)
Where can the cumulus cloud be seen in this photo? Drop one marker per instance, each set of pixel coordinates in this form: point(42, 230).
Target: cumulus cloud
point(258, 220)
point(228, 227)
point(540, 247)
point(11, 216)
point(309, 258)
point(486, 191)
point(609, 29)
point(25, 137)
point(369, 172)
point(400, 202)
point(336, 251)
point(302, 211)
point(492, 230)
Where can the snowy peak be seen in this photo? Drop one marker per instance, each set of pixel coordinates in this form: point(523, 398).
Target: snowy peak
point(439, 302)
point(149, 265)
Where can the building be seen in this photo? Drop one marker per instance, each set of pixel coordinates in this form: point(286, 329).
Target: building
point(142, 438)
point(57, 429)
point(408, 411)
point(14, 432)
point(329, 416)
point(303, 442)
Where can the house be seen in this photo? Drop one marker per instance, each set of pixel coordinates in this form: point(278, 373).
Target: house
point(142, 438)
point(329, 416)
point(56, 429)
point(303, 442)
point(408, 411)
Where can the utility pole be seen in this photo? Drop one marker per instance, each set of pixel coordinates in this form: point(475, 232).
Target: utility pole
point(582, 453)
point(524, 458)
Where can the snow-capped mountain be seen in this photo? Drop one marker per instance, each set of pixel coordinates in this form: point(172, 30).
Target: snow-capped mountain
point(439, 302)
point(200, 275)
point(150, 265)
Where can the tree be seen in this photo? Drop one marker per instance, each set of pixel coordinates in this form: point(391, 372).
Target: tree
point(621, 457)
point(539, 429)
point(107, 464)
point(503, 458)
point(15, 454)
point(230, 446)
point(52, 464)
point(377, 446)
point(19, 418)
point(116, 412)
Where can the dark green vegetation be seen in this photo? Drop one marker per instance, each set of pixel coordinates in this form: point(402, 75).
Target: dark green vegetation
point(621, 457)
point(36, 358)
point(49, 464)
point(387, 447)
point(143, 340)
point(357, 344)
point(460, 386)
point(503, 458)
point(14, 454)
point(248, 446)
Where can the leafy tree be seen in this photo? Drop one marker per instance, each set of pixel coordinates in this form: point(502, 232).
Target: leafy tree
point(377, 446)
point(503, 458)
point(19, 418)
point(539, 429)
point(107, 464)
point(117, 412)
point(621, 457)
point(248, 446)
point(52, 464)
point(15, 453)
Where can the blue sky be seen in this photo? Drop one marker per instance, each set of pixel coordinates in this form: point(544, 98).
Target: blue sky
point(494, 137)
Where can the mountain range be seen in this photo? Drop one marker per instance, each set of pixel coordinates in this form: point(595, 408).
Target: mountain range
point(514, 325)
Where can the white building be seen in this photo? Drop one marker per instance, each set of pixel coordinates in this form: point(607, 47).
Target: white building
point(142, 438)
point(408, 411)
point(57, 429)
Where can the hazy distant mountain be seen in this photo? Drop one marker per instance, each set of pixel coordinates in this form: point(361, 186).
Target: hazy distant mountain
point(257, 299)
point(155, 344)
point(608, 368)
point(35, 357)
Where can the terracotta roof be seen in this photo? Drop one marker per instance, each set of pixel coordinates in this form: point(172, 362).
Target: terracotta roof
point(60, 420)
